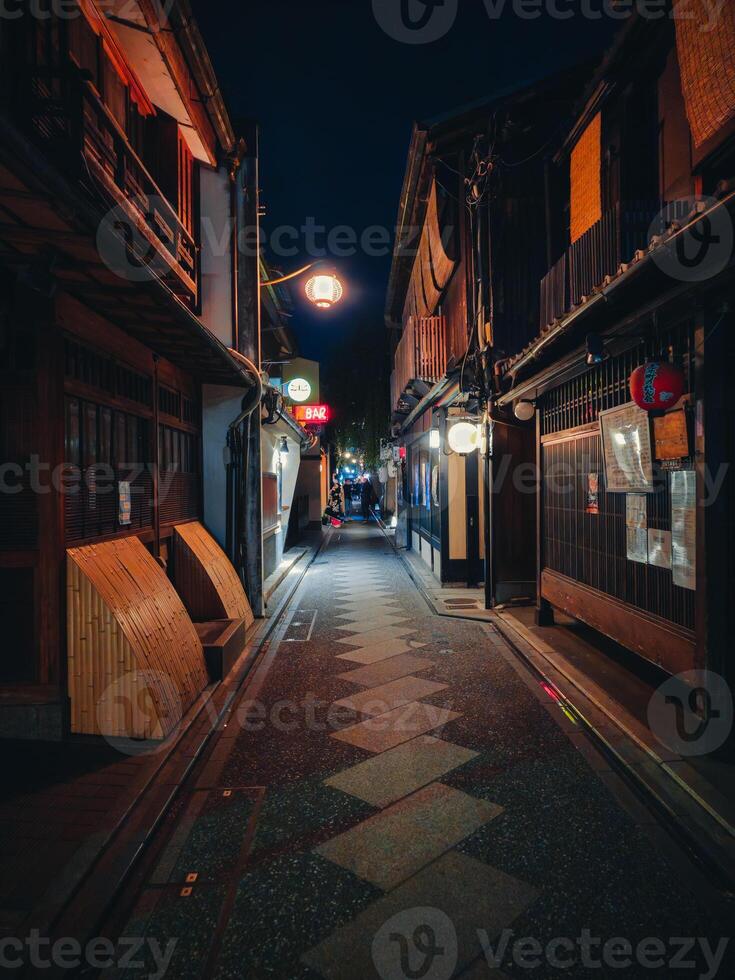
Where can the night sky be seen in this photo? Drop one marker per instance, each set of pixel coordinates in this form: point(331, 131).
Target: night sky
point(336, 98)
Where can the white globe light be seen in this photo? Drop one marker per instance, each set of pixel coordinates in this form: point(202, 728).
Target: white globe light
point(463, 438)
point(524, 410)
point(324, 291)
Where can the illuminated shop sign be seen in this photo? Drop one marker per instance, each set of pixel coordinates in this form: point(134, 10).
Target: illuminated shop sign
point(314, 414)
point(298, 390)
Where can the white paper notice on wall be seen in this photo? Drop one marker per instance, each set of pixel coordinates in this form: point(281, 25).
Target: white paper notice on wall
point(684, 528)
point(659, 548)
point(636, 510)
point(637, 544)
point(626, 447)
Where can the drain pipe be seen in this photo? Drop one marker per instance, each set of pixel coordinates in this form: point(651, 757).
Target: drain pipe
point(235, 463)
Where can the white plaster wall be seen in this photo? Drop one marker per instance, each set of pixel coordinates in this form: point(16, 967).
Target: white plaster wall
point(216, 254)
point(220, 405)
point(270, 442)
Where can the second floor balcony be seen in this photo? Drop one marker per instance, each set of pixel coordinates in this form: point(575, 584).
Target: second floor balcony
point(63, 115)
point(420, 360)
point(599, 252)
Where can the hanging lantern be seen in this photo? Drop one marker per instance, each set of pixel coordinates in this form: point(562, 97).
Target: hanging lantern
point(524, 410)
point(656, 385)
point(463, 438)
point(324, 291)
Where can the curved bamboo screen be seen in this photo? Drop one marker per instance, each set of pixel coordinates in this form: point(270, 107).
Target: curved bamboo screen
point(204, 577)
point(135, 662)
point(433, 266)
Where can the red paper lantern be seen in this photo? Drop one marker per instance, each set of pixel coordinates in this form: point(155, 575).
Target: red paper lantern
point(656, 385)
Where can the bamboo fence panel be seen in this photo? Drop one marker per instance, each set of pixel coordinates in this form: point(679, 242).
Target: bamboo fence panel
point(135, 662)
point(204, 577)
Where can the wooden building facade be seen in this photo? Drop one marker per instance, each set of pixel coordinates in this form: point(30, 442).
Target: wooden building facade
point(111, 342)
point(640, 198)
point(460, 264)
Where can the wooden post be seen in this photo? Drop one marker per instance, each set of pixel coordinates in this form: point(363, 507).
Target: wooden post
point(544, 609)
point(488, 503)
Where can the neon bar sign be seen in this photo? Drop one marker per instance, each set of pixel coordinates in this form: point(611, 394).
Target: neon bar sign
point(311, 414)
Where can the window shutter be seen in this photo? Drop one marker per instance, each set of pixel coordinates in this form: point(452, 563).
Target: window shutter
point(585, 176)
point(707, 66)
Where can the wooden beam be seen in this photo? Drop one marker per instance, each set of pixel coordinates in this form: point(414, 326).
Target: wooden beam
point(651, 637)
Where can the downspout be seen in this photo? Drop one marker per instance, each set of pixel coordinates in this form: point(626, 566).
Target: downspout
point(234, 458)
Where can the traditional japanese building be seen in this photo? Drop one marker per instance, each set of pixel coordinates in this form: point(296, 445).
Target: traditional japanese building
point(470, 250)
point(635, 508)
point(128, 328)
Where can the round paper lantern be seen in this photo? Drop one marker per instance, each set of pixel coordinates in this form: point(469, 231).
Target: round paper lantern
point(464, 438)
point(656, 385)
point(324, 291)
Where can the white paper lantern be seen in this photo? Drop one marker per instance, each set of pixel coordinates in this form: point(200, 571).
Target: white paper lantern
point(464, 438)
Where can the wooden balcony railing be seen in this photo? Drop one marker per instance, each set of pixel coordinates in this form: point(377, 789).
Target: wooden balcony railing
point(64, 115)
point(599, 253)
point(421, 355)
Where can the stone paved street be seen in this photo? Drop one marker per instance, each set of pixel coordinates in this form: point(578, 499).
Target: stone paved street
point(396, 792)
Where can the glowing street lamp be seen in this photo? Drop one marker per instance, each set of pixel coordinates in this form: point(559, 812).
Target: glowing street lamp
point(324, 291)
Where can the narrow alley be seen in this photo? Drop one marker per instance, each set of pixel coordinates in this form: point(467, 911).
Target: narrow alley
point(396, 795)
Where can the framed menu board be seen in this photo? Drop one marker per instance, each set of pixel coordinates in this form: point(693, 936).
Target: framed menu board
point(626, 450)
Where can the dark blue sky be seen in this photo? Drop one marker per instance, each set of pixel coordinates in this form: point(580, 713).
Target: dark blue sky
point(336, 98)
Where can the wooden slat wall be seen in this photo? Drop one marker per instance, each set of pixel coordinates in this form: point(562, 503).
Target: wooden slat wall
point(586, 187)
point(707, 67)
point(135, 662)
point(421, 354)
point(204, 577)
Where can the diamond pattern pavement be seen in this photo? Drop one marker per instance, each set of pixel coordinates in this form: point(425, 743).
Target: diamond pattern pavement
point(371, 675)
point(472, 898)
point(378, 700)
point(391, 775)
point(393, 727)
point(396, 843)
